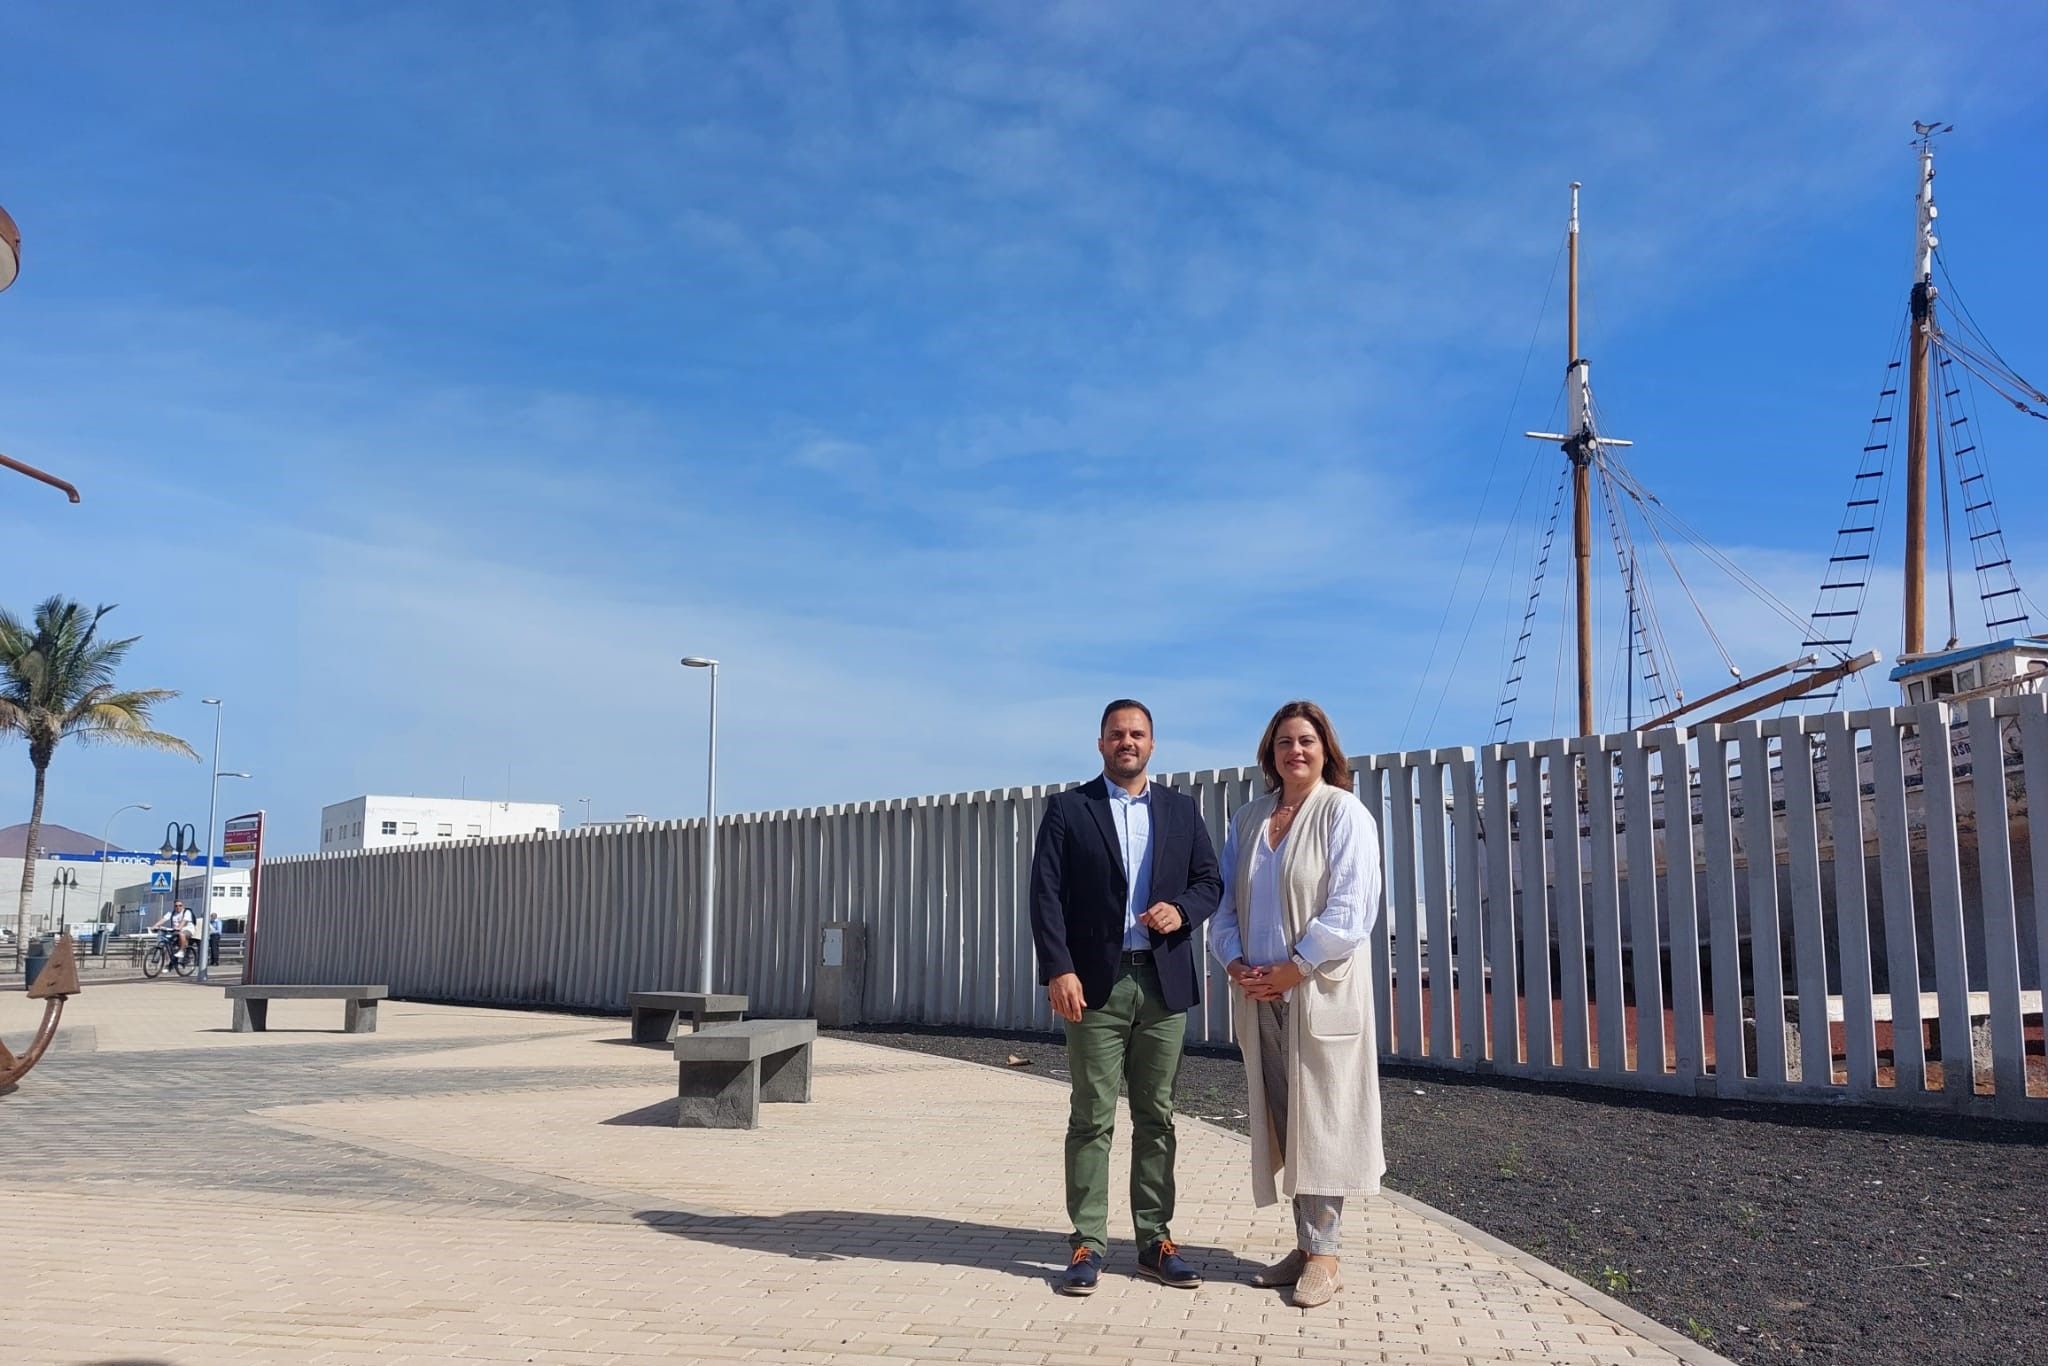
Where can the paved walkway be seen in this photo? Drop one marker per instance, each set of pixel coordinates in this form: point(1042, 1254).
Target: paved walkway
point(490, 1185)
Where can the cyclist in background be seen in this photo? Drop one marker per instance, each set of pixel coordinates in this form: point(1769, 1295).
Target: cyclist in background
point(178, 920)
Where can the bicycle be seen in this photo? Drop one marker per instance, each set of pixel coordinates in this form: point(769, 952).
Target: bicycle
point(165, 953)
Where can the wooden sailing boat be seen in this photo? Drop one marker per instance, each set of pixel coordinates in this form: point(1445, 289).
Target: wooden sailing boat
point(1937, 369)
point(1939, 364)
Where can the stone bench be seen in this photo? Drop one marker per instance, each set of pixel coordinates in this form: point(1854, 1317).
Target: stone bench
point(359, 1012)
point(725, 1071)
point(655, 1013)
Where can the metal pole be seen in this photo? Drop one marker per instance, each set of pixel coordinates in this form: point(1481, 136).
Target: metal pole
point(710, 830)
point(212, 806)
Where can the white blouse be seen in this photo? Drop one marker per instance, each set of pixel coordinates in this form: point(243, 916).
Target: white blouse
point(1347, 917)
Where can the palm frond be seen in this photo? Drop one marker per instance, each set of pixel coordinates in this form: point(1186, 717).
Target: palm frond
point(123, 718)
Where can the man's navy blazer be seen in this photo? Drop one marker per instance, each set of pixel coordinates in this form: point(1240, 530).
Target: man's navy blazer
point(1079, 890)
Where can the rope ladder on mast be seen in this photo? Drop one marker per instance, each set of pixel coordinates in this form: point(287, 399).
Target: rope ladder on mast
point(1510, 692)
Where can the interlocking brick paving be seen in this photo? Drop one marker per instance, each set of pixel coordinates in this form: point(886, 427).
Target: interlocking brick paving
point(497, 1185)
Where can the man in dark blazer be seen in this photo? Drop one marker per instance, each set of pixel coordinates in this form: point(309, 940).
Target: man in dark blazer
point(1122, 872)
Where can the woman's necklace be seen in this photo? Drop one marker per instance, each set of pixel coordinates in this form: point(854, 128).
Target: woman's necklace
point(1282, 818)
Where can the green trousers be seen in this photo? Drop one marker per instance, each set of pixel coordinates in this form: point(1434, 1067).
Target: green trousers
point(1134, 1038)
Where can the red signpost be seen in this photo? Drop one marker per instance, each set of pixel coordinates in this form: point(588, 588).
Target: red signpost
point(242, 839)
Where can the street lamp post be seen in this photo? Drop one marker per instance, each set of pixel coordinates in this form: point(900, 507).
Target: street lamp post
point(212, 808)
point(107, 834)
point(586, 809)
point(710, 818)
point(180, 843)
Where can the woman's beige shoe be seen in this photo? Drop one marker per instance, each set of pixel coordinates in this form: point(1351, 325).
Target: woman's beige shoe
point(1319, 1281)
point(1286, 1271)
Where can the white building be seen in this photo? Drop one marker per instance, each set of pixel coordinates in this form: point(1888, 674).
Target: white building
point(75, 880)
point(373, 822)
point(138, 904)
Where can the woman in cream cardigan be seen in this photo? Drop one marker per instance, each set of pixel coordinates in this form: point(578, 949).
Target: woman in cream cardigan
point(1301, 889)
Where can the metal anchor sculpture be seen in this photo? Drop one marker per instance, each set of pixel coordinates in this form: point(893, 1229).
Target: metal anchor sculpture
point(55, 984)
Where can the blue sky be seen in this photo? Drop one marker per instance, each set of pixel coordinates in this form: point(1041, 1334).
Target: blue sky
point(438, 374)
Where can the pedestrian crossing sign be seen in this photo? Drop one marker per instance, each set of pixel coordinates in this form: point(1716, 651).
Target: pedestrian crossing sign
point(159, 882)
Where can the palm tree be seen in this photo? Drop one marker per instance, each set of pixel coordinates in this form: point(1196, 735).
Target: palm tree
point(57, 679)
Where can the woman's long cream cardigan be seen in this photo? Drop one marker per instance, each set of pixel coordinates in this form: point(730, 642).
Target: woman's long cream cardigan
point(1333, 1121)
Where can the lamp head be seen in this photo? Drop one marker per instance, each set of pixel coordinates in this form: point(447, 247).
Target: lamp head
point(144, 806)
point(225, 773)
point(167, 850)
point(698, 662)
point(210, 701)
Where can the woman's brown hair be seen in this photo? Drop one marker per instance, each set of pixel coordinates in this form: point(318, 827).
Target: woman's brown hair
point(1336, 768)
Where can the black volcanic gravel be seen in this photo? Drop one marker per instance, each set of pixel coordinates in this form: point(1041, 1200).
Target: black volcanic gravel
point(1773, 1234)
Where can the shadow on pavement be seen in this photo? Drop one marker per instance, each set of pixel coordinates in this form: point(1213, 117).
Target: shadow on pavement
point(660, 1115)
point(849, 1235)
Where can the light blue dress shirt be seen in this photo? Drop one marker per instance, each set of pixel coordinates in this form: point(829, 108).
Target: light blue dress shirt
point(1132, 817)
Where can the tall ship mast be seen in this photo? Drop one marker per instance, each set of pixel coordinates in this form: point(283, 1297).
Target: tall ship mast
point(1920, 333)
point(1581, 445)
point(1594, 461)
point(1946, 359)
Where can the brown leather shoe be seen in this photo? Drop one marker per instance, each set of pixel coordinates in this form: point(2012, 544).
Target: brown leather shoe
point(1319, 1281)
point(1286, 1271)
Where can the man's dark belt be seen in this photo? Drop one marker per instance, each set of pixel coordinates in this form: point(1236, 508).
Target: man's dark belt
point(1133, 957)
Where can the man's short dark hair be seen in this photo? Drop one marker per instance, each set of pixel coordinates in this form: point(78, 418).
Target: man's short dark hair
point(1123, 704)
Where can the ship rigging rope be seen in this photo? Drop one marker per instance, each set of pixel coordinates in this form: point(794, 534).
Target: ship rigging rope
point(1516, 672)
point(1977, 353)
point(1879, 441)
point(1471, 537)
point(1566, 602)
point(1685, 586)
point(1948, 538)
point(1996, 380)
point(1650, 504)
point(1987, 537)
point(1664, 659)
point(1664, 547)
point(1646, 638)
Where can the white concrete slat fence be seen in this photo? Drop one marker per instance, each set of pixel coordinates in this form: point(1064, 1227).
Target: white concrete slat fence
point(1591, 910)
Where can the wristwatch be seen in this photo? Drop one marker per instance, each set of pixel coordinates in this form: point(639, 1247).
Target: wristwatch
point(1307, 968)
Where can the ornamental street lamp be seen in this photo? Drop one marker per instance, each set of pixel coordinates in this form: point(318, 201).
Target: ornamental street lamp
point(63, 880)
